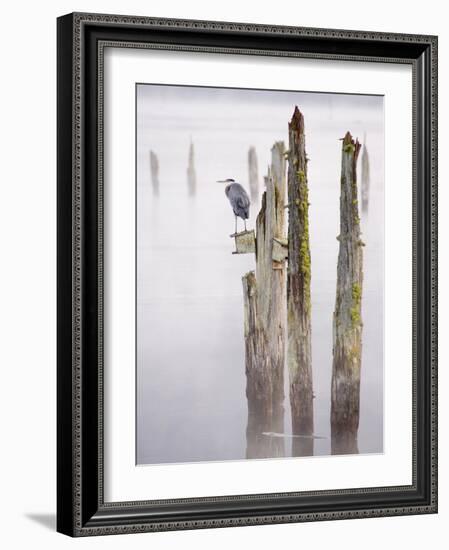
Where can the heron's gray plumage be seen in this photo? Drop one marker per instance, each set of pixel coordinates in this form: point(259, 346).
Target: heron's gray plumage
point(239, 200)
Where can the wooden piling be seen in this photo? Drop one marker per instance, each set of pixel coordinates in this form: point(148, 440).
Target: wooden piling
point(264, 298)
point(245, 242)
point(154, 170)
point(365, 179)
point(253, 174)
point(299, 355)
point(347, 322)
point(191, 173)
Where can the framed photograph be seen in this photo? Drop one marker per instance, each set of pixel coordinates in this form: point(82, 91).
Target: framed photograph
point(247, 278)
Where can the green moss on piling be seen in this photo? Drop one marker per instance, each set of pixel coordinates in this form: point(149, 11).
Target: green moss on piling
point(301, 176)
point(356, 301)
point(304, 248)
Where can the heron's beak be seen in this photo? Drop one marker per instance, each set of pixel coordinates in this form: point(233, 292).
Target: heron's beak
point(221, 181)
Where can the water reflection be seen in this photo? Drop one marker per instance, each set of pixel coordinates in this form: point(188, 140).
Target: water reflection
point(263, 442)
point(275, 444)
point(302, 445)
point(264, 438)
point(344, 443)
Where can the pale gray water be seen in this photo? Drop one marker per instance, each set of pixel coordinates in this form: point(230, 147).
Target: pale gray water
point(191, 403)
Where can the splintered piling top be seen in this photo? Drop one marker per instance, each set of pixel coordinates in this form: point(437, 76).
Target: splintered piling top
point(351, 146)
point(297, 122)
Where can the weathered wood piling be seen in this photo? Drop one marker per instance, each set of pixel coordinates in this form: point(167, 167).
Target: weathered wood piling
point(347, 322)
point(154, 171)
point(264, 301)
point(245, 242)
point(299, 355)
point(191, 173)
point(253, 174)
point(365, 179)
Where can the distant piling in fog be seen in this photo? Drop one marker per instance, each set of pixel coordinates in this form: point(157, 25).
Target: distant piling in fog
point(365, 180)
point(253, 174)
point(299, 354)
point(191, 174)
point(347, 322)
point(264, 294)
point(154, 171)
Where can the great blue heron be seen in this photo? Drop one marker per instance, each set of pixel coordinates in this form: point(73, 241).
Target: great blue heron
point(238, 198)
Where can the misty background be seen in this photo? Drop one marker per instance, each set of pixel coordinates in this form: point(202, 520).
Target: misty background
point(191, 402)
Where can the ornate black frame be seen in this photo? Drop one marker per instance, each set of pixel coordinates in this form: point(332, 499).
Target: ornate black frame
point(81, 509)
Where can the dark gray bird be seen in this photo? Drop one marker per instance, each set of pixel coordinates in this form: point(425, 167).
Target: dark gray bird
point(238, 198)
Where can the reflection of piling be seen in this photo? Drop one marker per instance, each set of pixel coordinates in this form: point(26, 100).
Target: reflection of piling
point(365, 180)
point(191, 174)
point(154, 170)
point(264, 299)
point(347, 325)
point(253, 174)
point(298, 291)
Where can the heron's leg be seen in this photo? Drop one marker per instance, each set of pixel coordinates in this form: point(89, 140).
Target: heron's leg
point(244, 221)
point(236, 224)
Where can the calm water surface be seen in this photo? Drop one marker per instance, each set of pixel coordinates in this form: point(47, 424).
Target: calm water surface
point(191, 403)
